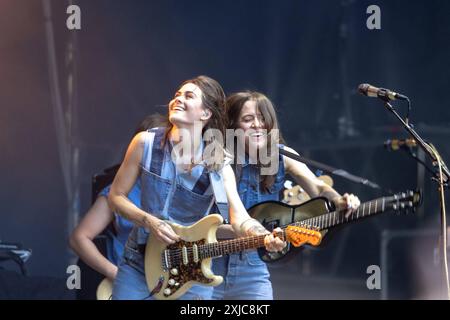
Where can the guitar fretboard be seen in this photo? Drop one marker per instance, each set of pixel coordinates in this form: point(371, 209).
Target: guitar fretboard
point(216, 249)
point(325, 221)
point(231, 246)
point(334, 218)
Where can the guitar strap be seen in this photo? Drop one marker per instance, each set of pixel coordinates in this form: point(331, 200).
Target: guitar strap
point(220, 195)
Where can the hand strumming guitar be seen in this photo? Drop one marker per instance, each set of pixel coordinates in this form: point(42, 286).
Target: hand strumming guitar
point(161, 229)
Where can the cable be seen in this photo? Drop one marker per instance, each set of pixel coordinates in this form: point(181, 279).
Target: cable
point(414, 156)
point(409, 111)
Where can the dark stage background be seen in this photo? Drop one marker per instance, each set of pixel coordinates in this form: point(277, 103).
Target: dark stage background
point(307, 56)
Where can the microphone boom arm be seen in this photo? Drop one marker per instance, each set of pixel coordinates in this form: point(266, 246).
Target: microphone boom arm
point(330, 170)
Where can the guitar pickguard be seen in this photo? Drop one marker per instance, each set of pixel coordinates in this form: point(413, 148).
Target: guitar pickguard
point(192, 271)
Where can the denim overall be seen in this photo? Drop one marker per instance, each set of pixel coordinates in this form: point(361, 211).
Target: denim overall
point(246, 276)
point(168, 194)
point(116, 241)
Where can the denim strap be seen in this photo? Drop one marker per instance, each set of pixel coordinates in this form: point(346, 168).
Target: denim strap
point(220, 195)
point(157, 155)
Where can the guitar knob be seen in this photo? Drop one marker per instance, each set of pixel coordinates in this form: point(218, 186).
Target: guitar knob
point(171, 282)
point(167, 292)
point(174, 271)
point(177, 284)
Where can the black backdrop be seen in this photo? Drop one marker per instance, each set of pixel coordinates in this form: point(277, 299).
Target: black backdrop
point(307, 56)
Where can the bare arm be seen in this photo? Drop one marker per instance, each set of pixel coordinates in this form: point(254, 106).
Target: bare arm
point(307, 180)
point(238, 214)
point(94, 222)
point(123, 182)
point(316, 187)
point(225, 231)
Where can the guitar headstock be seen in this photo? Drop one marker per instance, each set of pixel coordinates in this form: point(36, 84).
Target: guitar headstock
point(405, 201)
point(301, 235)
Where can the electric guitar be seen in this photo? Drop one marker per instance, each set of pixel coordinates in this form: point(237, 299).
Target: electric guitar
point(317, 213)
point(171, 270)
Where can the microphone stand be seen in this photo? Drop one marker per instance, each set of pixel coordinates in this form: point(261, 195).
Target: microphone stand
point(442, 177)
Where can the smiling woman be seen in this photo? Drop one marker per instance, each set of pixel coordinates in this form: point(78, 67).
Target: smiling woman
point(171, 196)
point(188, 97)
point(246, 276)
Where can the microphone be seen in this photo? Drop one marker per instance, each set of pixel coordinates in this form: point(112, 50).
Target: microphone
point(382, 93)
point(396, 144)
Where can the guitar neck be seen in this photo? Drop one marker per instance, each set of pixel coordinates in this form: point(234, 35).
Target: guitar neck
point(335, 218)
point(226, 247)
point(325, 221)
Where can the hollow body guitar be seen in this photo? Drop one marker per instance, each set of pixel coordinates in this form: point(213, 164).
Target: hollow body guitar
point(317, 213)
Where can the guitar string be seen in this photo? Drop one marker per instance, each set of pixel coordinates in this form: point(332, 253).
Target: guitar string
point(223, 247)
point(320, 222)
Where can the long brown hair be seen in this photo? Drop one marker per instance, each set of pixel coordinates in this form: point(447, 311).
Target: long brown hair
point(235, 103)
point(213, 99)
point(150, 121)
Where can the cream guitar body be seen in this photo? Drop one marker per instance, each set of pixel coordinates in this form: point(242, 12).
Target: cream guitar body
point(170, 270)
point(177, 279)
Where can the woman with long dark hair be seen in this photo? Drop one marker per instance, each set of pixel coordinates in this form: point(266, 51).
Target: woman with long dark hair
point(245, 275)
point(174, 190)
